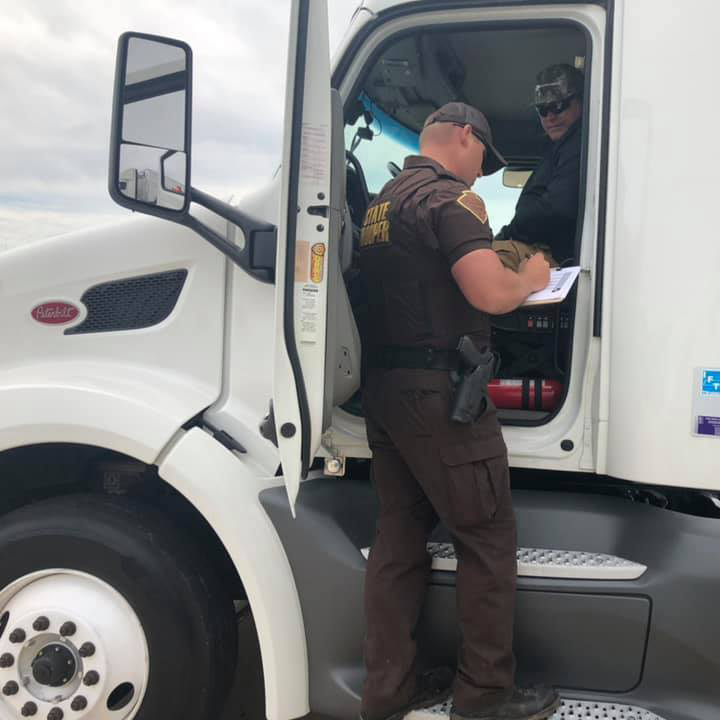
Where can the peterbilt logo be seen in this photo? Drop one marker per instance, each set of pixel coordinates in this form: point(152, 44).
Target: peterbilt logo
point(55, 313)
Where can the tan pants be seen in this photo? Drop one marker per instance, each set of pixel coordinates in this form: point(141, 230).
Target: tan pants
point(513, 252)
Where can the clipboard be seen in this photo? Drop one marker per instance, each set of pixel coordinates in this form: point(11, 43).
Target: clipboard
point(561, 282)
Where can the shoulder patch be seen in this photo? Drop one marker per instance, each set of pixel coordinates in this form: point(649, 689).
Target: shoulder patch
point(473, 204)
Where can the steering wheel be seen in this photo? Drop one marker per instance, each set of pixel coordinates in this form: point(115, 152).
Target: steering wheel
point(393, 168)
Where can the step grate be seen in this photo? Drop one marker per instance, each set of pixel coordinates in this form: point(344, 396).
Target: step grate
point(537, 562)
point(569, 710)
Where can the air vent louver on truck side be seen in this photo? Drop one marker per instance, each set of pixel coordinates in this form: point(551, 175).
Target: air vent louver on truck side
point(130, 303)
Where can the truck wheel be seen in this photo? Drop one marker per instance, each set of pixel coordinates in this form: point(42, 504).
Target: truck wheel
point(108, 613)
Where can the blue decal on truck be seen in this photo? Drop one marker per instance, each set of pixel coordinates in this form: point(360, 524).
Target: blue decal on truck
point(708, 425)
point(711, 382)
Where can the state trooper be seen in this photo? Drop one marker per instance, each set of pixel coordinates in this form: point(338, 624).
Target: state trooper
point(433, 278)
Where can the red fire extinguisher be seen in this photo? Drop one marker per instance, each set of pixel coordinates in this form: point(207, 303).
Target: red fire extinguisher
point(525, 394)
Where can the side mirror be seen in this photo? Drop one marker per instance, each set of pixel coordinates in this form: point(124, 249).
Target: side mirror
point(151, 123)
point(150, 150)
point(515, 177)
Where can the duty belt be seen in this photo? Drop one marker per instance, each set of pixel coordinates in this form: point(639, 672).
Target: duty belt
point(421, 358)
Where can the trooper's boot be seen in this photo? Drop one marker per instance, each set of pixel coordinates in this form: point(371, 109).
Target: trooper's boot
point(536, 703)
point(433, 687)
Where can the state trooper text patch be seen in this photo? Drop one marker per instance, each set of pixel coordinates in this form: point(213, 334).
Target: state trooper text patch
point(474, 204)
point(376, 226)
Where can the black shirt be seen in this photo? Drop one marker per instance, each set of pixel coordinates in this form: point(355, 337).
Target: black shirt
point(546, 211)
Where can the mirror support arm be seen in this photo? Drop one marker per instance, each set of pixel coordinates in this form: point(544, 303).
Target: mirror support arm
point(257, 256)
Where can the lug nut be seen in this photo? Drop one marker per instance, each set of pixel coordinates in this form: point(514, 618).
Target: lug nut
point(87, 650)
point(17, 636)
point(41, 624)
point(91, 678)
point(55, 714)
point(10, 688)
point(68, 629)
point(78, 703)
point(6, 660)
point(28, 709)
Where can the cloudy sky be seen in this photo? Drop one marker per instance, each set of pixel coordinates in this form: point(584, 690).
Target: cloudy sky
point(57, 59)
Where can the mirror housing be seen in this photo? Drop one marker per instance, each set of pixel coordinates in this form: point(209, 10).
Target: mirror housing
point(150, 142)
point(151, 126)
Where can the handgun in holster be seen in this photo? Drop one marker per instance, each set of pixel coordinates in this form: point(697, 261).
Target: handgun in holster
point(477, 368)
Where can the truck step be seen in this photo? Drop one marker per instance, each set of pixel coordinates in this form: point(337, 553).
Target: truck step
point(569, 710)
point(536, 562)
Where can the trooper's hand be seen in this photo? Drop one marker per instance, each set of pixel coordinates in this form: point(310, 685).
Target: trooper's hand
point(537, 271)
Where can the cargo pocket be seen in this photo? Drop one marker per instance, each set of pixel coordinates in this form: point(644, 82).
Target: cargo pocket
point(477, 482)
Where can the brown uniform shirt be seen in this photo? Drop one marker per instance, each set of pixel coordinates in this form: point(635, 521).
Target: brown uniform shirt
point(419, 225)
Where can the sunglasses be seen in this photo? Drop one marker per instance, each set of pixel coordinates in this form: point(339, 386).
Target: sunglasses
point(554, 107)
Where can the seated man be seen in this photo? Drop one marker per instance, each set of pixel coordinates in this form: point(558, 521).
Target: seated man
point(546, 211)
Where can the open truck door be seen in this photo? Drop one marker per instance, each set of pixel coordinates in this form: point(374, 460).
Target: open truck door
point(308, 233)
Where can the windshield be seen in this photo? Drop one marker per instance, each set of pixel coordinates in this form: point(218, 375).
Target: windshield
point(392, 142)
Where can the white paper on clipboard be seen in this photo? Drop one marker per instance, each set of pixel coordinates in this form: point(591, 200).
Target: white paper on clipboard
point(561, 281)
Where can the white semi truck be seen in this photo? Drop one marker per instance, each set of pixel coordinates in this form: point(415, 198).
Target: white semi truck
point(180, 423)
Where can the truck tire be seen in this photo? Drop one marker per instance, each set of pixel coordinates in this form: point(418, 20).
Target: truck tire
point(108, 612)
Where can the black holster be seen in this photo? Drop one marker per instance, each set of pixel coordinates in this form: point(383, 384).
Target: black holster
point(477, 369)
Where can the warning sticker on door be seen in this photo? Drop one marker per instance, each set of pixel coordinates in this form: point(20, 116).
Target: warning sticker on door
point(317, 262)
point(302, 261)
point(308, 315)
point(315, 154)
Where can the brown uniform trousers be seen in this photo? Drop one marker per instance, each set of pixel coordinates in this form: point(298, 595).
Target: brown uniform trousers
point(426, 468)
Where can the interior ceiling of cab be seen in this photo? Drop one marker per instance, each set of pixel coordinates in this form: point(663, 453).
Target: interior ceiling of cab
point(494, 70)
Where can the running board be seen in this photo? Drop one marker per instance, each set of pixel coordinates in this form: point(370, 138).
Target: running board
point(535, 562)
point(569, 710)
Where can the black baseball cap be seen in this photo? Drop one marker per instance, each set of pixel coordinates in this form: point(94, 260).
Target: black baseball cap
point(461, 114)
